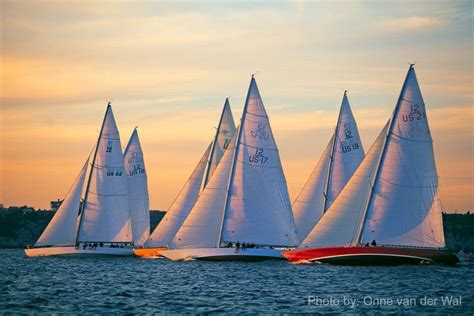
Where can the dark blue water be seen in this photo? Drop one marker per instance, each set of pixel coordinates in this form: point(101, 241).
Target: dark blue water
point(132, 285)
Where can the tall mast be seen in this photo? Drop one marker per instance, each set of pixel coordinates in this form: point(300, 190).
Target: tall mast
point(90, 175)
point(333, 149)
point(211, 153)
point(234, 159)
point(382, 156)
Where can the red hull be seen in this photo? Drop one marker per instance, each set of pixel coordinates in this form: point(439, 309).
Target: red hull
point(371, 256)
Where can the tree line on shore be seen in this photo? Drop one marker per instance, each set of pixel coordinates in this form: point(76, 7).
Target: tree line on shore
point(22, 225)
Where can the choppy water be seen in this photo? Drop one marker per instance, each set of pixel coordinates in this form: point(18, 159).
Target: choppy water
point(132, 285)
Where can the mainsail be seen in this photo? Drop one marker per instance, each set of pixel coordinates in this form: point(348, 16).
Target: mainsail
point(62, 229)
point(340, 159)
point(404, 208)
point(137, 190)
point(203, 172)
point(247, 198)
point(347, 153)
point(225, 131)
point(105, 216)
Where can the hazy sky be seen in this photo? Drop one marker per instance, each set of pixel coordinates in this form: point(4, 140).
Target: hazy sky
point(167, 68)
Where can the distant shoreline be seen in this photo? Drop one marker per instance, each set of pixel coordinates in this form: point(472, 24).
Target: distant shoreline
point(21, 226)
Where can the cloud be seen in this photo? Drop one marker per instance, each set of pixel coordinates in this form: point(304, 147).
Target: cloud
point(412, 23)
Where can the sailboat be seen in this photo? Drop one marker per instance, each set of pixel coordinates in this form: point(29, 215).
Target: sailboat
point(245, 203)
point(340, 159)
point(137, 190)
point(389, 212)
point(103, 226)
point(161, 237)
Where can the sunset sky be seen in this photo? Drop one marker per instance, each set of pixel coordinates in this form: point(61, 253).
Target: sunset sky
point(168, 67)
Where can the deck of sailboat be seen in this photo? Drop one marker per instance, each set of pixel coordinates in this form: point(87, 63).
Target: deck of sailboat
point(73, 251)
point(223, 254)
point(365, 255)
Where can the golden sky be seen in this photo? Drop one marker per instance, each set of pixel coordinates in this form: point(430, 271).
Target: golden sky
point(168, 67)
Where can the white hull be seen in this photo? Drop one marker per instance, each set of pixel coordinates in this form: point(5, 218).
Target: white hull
point(222, 254)
point(73, 251)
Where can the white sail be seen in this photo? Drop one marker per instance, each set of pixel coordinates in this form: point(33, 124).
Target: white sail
point(201, 229)
point(181, 206)
point(106, 217)
point(258, 208)
point(341, 223)
point(62, 229)
point(137, 190)
point(404, 209)
point(340, 159)
point(224, 133)
point(347, 153)
point(309, 205)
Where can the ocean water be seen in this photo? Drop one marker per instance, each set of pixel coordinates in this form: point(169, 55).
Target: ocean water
point(133, 285)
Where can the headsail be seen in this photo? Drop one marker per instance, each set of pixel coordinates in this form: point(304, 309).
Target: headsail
point(201, 227)
point(203, 172)
point(62, 229)
point(309, 205)
point(105, 217)
point(181, 206)
point(340, 159)
point(342, 221)
point(258, 207)
point(137, 190)
point(404, 209)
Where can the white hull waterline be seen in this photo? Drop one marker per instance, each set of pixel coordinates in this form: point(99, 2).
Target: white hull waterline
point(73, 251)
point(223, 254)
